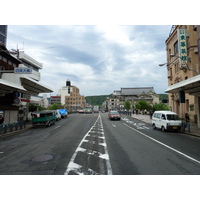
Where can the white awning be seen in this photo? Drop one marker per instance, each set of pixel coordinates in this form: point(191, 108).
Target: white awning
point(34, 87)
point(8, 87)
point(191, 86)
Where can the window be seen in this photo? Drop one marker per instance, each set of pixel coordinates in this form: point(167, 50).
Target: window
point(4, 59)
point(176, 48)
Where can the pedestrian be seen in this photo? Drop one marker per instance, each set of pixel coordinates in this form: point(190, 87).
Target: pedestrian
point(1, 119)
point(187, 121)
point(150, 113)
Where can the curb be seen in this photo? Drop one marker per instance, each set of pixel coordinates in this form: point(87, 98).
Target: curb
point(3, 135)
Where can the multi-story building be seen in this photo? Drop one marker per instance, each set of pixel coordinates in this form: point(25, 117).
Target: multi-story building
point(74, 101)
point(183, 65)
point(19, 80)
point(133, 95)
point(56, 99)
point(65, 91)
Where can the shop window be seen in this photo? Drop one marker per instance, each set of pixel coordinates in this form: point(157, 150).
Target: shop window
point(191, 107)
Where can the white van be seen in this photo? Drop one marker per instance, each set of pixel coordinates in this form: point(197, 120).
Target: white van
point(166, 120)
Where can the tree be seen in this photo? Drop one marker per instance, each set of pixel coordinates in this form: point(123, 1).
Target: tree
point(160, 106)
point(127, 105)
point(142, 105)
point(55, 106)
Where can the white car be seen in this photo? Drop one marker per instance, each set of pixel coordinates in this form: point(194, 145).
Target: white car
point(166, 120)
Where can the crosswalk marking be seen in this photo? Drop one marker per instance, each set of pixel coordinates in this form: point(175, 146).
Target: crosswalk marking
point(138, 125)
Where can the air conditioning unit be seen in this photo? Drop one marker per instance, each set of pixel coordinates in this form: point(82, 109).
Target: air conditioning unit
point(196, 50)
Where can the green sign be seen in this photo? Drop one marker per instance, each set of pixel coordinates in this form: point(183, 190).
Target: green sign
point(182, 47)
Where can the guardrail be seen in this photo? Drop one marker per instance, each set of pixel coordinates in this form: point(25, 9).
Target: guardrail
point(125, 113)
point(5, 128)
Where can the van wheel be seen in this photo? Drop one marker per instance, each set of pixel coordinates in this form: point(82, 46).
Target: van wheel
point(163, 129)
point(154, 126)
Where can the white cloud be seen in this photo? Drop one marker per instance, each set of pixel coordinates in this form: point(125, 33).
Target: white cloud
point(96, 59)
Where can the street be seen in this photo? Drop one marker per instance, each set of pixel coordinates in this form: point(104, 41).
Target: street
point(91, 144)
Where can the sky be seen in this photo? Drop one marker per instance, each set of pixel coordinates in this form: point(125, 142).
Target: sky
point(97, 59)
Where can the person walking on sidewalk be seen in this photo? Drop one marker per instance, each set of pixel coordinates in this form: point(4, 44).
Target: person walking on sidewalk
point(1, 119)
point(187, 121)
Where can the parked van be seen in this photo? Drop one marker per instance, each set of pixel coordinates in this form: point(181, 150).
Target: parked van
point(63, 113)
point(166, 120)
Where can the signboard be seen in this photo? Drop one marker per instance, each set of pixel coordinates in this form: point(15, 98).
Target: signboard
point(182, 47)
point(21, 70)
point(16, 101)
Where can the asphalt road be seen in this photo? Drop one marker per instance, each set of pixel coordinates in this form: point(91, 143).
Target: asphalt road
point(92, 144)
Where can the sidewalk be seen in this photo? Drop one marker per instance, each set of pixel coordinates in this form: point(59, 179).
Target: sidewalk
point(194, 130)
point(28, 126)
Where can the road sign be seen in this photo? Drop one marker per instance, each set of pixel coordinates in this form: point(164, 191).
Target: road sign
point(21, 70)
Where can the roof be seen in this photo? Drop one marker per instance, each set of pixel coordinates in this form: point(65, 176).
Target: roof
point(34, 87)
point(7, 87)
point(190, 85)
point(137, 90)
point(55, 96)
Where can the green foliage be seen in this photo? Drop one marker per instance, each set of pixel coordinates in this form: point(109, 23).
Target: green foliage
point(142, 105)
point(55, 106)
point(163, 96)
point(127, 105)
point(96, 100)
point(40, 108)
point(32, 108)
point(160, 106)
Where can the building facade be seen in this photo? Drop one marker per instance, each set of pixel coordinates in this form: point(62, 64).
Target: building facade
point(75, 101)
point(19, 80)
point(133, 95)
point(65, 91)
point(183, 67)
point(56, 99)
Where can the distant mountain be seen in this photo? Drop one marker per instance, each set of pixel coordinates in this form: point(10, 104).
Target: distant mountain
point(163, 96)
point(98, 100)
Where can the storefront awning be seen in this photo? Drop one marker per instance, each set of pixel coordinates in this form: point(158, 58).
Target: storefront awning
point(9, 87)
point(191, 86)
point(34, 87)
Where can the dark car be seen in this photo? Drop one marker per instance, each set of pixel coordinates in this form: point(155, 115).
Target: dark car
point(114, 115)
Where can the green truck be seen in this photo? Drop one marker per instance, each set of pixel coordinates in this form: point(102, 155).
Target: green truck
point(45, 118)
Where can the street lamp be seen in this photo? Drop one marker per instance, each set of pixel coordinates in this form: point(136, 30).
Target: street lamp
point(163, 64)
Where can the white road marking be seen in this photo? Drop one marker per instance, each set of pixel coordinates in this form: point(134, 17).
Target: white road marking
point(189, 157)
point(139, 125)
point(72, 166)
point(113, 125)
point(56, 127)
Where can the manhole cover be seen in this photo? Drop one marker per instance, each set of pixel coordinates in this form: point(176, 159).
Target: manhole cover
point(42, 158)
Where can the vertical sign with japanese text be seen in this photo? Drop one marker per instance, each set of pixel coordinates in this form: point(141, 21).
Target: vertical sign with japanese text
point(182, 47)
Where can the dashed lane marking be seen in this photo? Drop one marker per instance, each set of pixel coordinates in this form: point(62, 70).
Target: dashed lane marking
point(139, 125)
point(91, 155)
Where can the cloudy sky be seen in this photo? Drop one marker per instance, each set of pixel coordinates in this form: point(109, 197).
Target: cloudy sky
point(98, 59)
